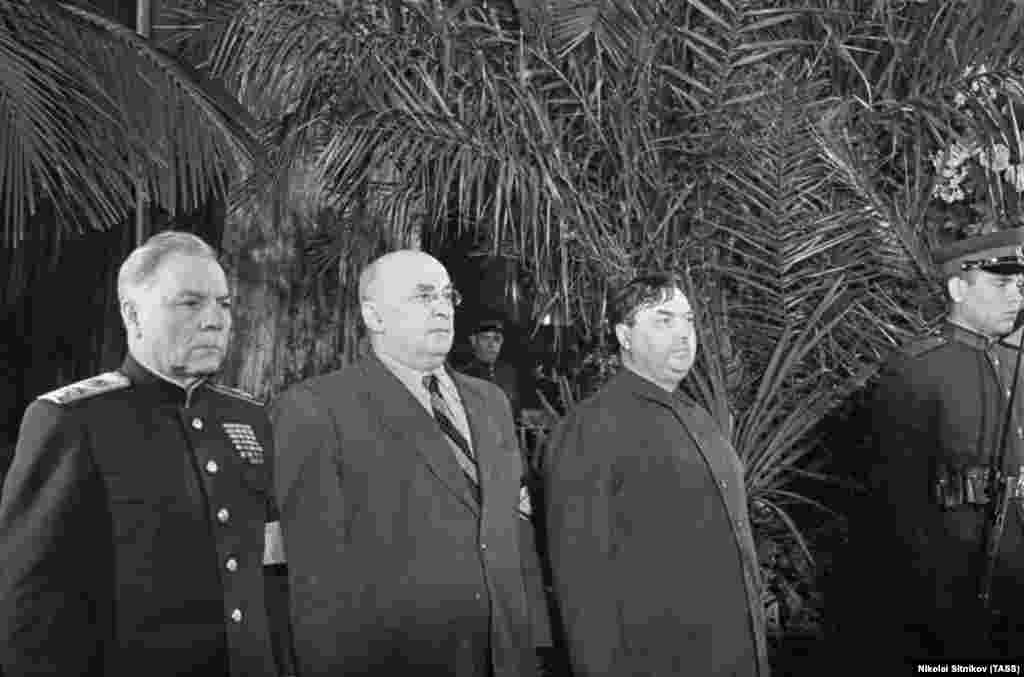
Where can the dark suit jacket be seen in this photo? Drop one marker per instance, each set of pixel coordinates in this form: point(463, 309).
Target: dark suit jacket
point(395, 568)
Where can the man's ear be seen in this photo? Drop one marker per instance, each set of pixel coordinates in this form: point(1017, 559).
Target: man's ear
point(956, 287)
point(130, 314)
point(371, 317)
point(622, 334)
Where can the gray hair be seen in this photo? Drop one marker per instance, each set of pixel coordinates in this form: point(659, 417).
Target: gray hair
point(145, 259)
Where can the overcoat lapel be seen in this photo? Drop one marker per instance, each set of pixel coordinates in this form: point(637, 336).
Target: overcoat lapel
point(710, 444)
point(402, 414)
point(722, 465)
point(483, 430)
point(728, 464)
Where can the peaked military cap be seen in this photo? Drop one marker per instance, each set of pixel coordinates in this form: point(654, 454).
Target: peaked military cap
point(489, 324)
point(1001, 252)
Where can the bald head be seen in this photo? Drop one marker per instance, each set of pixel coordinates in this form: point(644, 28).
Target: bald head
point(406, 302)
point(388, 271)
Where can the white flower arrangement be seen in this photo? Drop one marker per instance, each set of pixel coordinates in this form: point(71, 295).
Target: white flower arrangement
point(952, 167)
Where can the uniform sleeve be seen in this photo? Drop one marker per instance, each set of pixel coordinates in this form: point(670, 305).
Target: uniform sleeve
point(54, 603)
point(578, 535)
point(922, 557)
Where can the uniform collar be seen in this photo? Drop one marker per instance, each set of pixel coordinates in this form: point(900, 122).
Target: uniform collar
point(968, 337)
point(484, 367)
point(151, 384)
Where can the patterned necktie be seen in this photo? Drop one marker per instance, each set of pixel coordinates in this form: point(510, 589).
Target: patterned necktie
point(443, 416)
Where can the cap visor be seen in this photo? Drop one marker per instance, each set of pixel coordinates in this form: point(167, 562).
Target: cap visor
point(1008, 268)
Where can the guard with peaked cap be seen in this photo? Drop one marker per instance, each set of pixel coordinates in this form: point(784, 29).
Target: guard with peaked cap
point(1001, 252)
point(486, 340)
point(938, 413)
point(138, 535)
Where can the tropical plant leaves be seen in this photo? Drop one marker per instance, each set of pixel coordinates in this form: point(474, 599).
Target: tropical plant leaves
point(90, 111)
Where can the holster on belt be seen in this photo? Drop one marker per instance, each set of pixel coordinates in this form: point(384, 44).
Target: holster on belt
point(969, 486)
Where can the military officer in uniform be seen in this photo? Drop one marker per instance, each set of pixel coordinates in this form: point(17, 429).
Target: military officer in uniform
point(136, 520)
point(486, 340)
point(938, 416)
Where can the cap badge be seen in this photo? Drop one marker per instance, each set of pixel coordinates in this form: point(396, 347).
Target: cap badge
point(244, 438)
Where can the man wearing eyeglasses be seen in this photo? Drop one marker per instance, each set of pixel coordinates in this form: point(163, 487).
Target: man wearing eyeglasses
point(398, 487)
point(946, 581)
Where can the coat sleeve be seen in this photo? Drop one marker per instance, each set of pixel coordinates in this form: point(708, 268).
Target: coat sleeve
point(578, 535)
point(275, 585)
point(302, 432)
point(929, 570)
point(54, 604)
point(530, 563)
point(532, 572)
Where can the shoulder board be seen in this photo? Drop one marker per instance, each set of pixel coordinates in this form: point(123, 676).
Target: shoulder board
point(90, 387)
point(236, 393)
point(922, 346)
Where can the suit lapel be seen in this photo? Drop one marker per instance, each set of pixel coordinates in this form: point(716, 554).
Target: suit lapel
point(482, 429)
point(401, 413)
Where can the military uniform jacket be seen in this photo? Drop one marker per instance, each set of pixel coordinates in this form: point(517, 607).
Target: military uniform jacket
point(395, 567)
point(653, 560)
point(937, 410)
point(502, 374)
point(132, 532)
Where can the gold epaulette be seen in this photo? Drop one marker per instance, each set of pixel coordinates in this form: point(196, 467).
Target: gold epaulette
point(923, 345)
point(235, 392)
point(90, 387)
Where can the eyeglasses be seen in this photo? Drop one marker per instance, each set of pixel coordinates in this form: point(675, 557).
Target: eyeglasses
point(428, 298)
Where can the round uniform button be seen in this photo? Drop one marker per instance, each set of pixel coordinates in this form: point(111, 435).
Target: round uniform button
point(236, 615)
point(483, 546)
point(223, 515)
point(231, 564)
point(477, 595)
point(724, 484)
point(211, 467)
point(197, 423)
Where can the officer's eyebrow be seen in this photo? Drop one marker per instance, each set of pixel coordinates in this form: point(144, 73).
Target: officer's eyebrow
point(665, 312)
point(427, 286)
point(195, 293)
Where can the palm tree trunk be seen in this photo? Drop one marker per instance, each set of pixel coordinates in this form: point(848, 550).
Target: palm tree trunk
point(288, 324)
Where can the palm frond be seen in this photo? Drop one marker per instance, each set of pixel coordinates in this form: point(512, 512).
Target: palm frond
point(89, 108)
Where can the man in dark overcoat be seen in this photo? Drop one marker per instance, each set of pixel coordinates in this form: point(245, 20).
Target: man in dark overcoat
point(399, 489)
point(938, 416)
point(655, 571)
point(137, 516)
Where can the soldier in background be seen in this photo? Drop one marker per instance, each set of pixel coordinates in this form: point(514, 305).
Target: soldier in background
point(938, 416)
point(487, 339)
point(137, 516)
